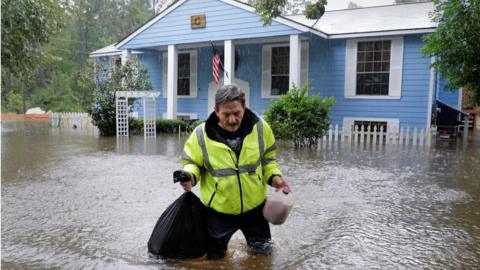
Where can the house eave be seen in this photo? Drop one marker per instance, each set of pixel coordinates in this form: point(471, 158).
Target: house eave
point(384, 33)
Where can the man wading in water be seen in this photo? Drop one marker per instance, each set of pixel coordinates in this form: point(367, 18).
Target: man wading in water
point(232, 156)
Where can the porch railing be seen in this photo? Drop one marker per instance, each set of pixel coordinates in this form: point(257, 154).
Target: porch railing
point(371, 135)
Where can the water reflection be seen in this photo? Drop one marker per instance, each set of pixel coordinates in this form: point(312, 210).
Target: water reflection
point(79, 201)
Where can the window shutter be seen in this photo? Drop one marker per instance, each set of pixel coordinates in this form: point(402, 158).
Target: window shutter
point(164, 77)
point(266, 71)
point(193, 73)
point(396, 66)
point(304, 65)
point(350, 68)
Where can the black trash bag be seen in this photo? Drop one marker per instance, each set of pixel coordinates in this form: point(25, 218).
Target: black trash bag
point(181, 231)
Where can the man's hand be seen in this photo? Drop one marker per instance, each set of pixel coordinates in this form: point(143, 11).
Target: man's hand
point(187, 186)
point(279, 183)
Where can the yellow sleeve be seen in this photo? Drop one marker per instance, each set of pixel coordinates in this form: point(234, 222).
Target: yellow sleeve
point(192, 159)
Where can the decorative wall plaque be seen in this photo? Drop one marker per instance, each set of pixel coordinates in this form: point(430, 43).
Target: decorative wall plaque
point(198, 21)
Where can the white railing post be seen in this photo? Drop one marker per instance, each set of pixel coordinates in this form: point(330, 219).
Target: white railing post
point(422, 136)
point(428, 137)
point(336, 133)
point(330, 134)
point(415, 135)
point(355, 135)
point(407, 136)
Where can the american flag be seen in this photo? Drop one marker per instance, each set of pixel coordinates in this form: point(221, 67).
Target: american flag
point(215, 66)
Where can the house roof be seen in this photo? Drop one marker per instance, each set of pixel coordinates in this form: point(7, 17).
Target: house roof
point(391, 19)
point(109, 50)
point(106, 51)
point(347, 23)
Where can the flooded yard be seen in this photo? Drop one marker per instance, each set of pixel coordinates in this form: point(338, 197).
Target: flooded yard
point(72, 200)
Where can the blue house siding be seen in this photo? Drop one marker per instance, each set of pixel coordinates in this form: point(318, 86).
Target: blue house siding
point(223, 22)
point(326, 71)
point(448, 96)
point(249, 69)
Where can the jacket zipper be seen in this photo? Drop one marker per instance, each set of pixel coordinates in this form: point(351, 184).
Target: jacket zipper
point(239, 182)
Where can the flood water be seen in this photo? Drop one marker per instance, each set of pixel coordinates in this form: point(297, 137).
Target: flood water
point(72, 200)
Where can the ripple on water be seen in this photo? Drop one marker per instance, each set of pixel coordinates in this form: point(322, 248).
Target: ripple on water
point(354, 209)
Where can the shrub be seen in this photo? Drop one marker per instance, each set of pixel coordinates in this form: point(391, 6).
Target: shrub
point(301, 118)
point(128, 77)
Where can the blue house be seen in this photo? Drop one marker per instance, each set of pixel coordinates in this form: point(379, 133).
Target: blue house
point(368, 59)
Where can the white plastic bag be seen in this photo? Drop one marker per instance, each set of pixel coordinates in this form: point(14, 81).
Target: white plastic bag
point(277, 207)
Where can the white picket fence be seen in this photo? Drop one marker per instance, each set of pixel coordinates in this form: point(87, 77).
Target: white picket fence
point(73, 120)
point(354, 135)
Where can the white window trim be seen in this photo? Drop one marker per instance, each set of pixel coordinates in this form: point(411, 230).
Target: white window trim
point(266, 82)
point(193, 74)
point(191, 115)
point(393, 124)
point(396, 68)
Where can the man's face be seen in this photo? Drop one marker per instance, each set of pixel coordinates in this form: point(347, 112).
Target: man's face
point(230, 115)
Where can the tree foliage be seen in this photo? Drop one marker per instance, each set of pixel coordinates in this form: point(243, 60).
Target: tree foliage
point(456, 44)
point(26, 26)
point(315, 11)
point(45, 47)
point(128, 77)
point(301, 118)
point(270, 9)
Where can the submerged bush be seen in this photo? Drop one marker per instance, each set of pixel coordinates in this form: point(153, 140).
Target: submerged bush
point(298, 117)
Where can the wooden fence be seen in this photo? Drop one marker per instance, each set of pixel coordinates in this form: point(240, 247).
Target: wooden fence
point(368, 135)
point(73, 120)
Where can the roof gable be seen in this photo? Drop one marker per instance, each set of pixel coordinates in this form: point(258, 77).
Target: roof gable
point(381, 20)
point(225, 19)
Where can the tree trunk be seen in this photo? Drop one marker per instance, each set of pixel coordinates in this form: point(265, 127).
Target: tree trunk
point(41, 76)
point(24, 96)
point(8, 82)
point(81, 56)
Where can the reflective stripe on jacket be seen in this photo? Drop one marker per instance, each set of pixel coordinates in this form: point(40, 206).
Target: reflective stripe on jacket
point(229, 184)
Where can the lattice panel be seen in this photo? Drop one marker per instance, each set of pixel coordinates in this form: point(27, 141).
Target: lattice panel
point(122, 117)
point(149, 117)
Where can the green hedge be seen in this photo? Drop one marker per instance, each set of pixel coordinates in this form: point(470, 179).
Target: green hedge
point(163, 125)
point(299, 117)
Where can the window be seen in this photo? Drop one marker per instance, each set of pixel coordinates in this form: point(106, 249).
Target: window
point(373, 67)
point(183, 84)
point(186, 75)
point(379, 126)
point(276, 69)
point(280, 70)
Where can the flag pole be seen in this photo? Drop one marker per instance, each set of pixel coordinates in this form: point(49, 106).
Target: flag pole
point(214, 50)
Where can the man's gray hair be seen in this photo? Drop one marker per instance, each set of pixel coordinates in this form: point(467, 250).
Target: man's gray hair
point(229, 93)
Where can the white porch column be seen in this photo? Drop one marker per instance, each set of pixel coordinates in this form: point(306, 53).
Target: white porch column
point(172, 72)
point(126, 55)
point(295, 56)
point(229, 64)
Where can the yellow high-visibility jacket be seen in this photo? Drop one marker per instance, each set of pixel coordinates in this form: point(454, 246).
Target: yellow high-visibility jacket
point(229, 184)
